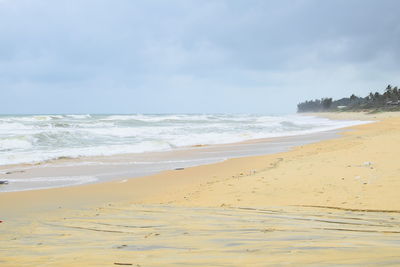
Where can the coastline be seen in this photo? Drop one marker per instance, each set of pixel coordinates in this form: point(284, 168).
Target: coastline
point(340, 115)
point(40, 139)
point(264, 135)
point(88, 192)
point(100, 169)
point(354, 173)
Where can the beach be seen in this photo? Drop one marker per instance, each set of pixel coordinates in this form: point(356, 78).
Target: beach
point(327, 203)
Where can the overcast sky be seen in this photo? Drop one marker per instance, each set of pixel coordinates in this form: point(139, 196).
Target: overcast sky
point(249, 56)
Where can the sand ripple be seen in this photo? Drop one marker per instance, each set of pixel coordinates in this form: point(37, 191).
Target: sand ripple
point(159, 235)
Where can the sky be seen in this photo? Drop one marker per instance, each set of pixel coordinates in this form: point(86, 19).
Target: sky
point(221, 56)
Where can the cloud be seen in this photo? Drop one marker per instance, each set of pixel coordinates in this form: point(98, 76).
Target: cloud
point(192, 56)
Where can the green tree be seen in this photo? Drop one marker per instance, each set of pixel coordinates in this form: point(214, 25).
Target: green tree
point(371, 97)
point(326, 103)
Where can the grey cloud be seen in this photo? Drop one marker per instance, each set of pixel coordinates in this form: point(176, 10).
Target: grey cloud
point(198, 56)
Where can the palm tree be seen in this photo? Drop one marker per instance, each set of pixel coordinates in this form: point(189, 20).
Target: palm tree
point(371, 96)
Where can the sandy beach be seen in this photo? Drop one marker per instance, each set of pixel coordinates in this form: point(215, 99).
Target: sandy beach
point(322, 204)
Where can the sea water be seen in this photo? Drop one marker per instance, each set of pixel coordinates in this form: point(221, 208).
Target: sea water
point(46, 151)
point(36, 138)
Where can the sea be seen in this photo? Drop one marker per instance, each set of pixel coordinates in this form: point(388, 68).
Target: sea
point(43, 151)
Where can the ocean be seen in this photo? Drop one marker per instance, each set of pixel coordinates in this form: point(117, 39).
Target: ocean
point(45, 151)
point(37, 138)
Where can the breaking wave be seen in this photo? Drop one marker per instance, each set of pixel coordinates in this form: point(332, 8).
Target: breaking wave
point(28, 139)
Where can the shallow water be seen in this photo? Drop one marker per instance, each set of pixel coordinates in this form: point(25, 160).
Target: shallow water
point(159, 235)
point(70, 172)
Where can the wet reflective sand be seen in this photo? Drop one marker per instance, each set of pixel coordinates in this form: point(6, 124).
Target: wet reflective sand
point(87, 170)
point(160, 235)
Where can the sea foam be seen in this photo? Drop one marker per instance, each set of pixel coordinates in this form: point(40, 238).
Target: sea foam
point(35, 138)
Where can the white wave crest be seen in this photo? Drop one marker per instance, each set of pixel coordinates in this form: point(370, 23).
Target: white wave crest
point(14, 144)
point(27, 139)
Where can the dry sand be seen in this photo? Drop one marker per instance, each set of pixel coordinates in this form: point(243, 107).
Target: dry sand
point(334, 202)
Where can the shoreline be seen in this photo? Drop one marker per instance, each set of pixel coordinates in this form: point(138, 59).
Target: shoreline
point(169, 179)
point(87, 195)
point(38, 160)
point(295, 206)
point(98, 169)
point(177, 159)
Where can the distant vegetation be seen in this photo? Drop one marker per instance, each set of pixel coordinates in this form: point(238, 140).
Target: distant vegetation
point(374, 102)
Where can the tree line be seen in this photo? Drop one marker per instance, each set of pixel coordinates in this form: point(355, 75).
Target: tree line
point(388, 101)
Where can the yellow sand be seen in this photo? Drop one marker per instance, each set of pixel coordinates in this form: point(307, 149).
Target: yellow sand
point(326, 203)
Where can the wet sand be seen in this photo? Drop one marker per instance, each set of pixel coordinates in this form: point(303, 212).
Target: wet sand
point(334, 202)
point(84, 170)
point(170, 235)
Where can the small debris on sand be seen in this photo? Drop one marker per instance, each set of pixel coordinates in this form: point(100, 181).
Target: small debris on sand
point(15, 172)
